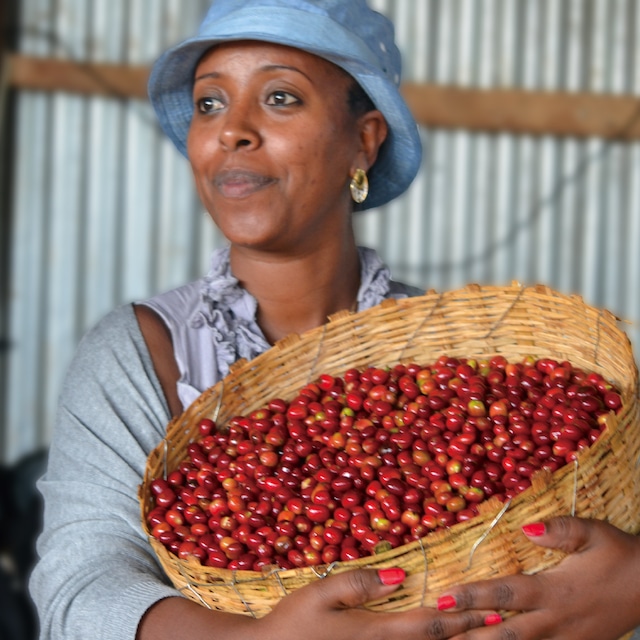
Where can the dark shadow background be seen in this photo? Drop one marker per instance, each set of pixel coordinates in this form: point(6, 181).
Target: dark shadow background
point(20, 502)
point(20, 523)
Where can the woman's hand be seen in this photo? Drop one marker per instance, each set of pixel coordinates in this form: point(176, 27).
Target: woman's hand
point(593, 594)
point(332, 608)
point(327, 609)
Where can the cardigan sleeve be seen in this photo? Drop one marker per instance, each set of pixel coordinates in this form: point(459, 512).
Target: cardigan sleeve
point(97, 574)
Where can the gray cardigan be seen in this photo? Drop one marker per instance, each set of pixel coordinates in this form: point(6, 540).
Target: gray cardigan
point(98, 575)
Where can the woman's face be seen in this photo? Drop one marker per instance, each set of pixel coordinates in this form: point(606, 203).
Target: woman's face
point(273, 145)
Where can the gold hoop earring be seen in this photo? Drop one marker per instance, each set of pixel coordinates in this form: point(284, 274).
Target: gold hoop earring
point(359, 186)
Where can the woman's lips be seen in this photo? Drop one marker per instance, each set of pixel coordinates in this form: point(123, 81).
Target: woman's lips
point(239, 183)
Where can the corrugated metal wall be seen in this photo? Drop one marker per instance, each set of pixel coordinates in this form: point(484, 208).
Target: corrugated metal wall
point(105, 213)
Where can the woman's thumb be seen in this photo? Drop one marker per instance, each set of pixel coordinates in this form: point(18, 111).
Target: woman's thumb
point(355, 588)
point(565, 533)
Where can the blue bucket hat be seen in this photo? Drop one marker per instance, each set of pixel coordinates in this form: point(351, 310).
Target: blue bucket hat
point(346, 32)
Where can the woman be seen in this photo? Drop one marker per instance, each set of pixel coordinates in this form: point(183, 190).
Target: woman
point(290, 115)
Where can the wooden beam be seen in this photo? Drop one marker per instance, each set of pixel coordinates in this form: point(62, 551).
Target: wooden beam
point(51, 74)
point(525, 112)
point(435, 106)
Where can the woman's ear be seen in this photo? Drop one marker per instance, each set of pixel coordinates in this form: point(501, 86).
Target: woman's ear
point(373, 132)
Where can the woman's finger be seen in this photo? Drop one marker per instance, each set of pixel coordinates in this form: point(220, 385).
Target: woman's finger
point(354, 588)
point(523, 626)
point(565, 533)
point(512, 593)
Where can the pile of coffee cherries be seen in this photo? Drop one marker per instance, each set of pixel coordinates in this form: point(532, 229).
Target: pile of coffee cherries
point(358, 464)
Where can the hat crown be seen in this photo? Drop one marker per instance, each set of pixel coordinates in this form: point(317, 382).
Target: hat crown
point(373, 30)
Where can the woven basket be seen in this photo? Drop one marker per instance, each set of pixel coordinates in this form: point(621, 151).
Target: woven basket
point(476, 321)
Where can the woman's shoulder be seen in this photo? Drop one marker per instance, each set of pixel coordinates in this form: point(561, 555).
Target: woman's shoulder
point(115, 329)
point(402, 290)
point(377, 283)
point(176, 305)
point(111, 362)
point(114, 341)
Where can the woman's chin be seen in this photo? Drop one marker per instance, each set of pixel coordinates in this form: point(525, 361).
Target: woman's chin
point(254, 240)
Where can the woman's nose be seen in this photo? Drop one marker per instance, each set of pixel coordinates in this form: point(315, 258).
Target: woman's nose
point(239, 129)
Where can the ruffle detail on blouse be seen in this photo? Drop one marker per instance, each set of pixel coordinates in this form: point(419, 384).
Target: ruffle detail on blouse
point(230, 313)
point(374, 279)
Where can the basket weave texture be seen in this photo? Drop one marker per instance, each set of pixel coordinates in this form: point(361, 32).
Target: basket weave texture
point(476, 321)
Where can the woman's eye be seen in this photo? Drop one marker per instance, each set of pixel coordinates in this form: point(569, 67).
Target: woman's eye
point(282, 98)
point(209, 105)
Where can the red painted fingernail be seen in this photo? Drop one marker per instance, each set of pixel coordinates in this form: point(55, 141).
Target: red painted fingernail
point(493, 618)
point(391, 576)
point(534, 529)
point(446, 602)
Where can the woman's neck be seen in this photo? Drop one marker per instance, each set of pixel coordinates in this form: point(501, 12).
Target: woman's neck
point(297, 293)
